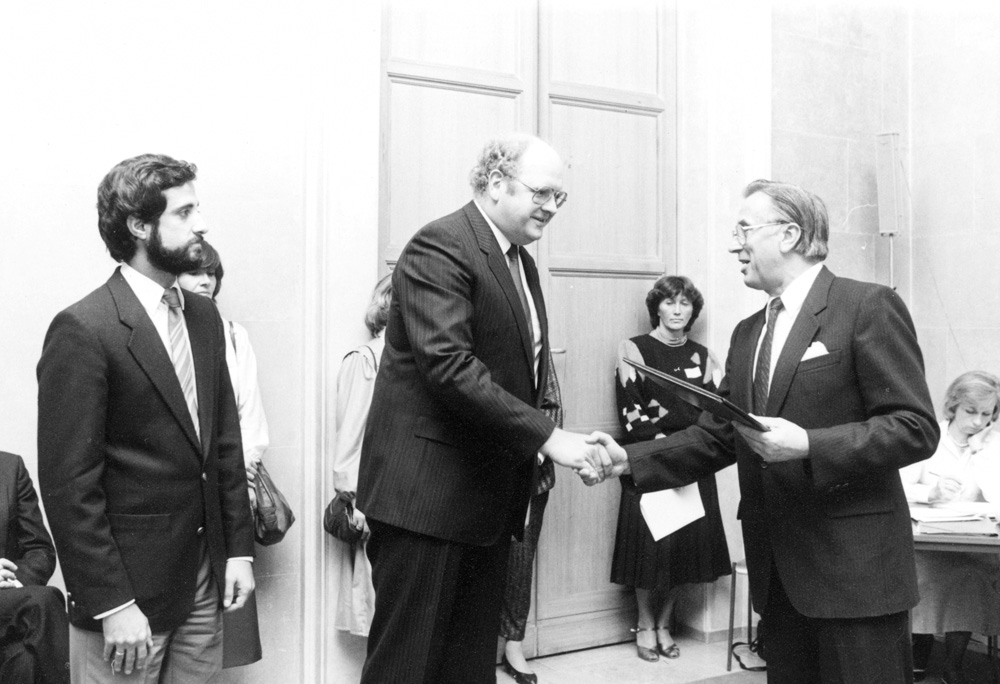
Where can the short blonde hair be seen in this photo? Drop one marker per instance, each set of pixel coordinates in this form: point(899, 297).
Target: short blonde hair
point(377, 313)
point(973, 386)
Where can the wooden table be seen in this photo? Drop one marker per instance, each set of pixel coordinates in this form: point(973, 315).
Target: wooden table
point(957, 543)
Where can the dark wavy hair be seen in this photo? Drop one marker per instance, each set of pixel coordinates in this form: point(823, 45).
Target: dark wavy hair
point(134, 187)
point(211, 263)
point(669, 286)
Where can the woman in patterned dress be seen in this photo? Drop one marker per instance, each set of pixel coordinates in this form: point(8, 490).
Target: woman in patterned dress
point(697, 552)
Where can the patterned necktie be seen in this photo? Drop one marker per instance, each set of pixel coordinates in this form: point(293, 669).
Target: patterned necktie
point(762, 376)
point(180, 353)
point(513, 263)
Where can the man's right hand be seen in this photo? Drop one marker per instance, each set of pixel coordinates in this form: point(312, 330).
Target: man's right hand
point(571, 450)
point(619, 464)
point(128, 640)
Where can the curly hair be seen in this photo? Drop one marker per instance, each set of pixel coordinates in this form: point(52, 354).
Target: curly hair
point(802, 208)
point(669, 286)
point(499, 154)
point(973, 386)
point(134, 187)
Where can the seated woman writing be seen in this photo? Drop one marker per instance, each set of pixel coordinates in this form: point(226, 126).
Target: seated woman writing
point(958, 591)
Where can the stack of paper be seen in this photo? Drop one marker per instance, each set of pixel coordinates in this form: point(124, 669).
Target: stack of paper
point(928, 520)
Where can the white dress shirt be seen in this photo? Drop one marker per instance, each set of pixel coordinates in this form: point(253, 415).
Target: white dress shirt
point(150, 295)
point(792, 300)
point(536, 326)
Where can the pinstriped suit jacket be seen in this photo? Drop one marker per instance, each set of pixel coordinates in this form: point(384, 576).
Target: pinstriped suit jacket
point(836, 525)
point(451, 439)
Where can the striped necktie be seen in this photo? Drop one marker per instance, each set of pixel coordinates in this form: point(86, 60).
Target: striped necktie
point(762, 376)
point(180, 353)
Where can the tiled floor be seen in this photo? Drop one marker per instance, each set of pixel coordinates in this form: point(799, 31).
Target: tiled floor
point(618, 663)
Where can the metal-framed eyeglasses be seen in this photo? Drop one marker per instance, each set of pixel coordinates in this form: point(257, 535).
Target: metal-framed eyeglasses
point(740, 231)
point(543, 195)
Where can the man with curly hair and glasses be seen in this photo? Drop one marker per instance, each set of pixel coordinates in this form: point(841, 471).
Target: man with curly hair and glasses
point(456, 428)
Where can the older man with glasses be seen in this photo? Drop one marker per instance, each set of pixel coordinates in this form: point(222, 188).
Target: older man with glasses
point(832, 368)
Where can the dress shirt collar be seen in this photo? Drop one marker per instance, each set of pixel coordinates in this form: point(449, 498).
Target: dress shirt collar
point(501, 238)
point(148, 291)
point(796, 292)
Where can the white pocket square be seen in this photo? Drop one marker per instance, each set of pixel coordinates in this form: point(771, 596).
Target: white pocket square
point(815, 349)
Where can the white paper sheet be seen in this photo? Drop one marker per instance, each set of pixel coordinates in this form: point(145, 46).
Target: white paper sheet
point(669, 510)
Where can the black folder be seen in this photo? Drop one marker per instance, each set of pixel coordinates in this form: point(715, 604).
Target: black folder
point(700, 398)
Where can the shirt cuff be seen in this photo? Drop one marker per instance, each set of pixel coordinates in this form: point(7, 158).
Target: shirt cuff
point(246, 558)
point(114, 610)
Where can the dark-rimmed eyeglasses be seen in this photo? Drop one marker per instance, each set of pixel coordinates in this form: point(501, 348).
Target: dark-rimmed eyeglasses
point(740, 231)
point(543, 195)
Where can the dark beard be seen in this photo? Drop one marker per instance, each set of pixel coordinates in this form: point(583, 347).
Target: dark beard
point(175, 261)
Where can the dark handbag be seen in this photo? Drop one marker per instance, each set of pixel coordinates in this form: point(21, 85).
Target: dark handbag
point(338, 519)
point(274, 516)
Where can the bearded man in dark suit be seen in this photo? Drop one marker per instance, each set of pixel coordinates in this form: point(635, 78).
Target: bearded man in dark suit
point(140, 460)
point(832, 367)
point(34, 634)
point(455, 430)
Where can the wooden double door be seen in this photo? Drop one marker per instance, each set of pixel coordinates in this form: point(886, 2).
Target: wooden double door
point(598, 84)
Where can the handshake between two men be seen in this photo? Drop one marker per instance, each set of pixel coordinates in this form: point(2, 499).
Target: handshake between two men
point(594, 457)
point(597, 456)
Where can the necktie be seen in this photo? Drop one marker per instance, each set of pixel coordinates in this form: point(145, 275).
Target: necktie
point(180, 353)
point(762, 376)
point(514, 264)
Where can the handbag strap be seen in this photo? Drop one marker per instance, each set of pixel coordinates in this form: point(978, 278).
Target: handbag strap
point(232, 336)
point(262, 478)
point(374, 358)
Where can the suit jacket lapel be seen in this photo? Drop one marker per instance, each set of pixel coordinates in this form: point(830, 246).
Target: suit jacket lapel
point(497, 262)
point(200, 335)
point(148, 351)
point(801, 335)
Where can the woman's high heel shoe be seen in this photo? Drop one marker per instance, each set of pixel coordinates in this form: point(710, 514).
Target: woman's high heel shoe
point(517, 675)
point(672, 651)
point(647, 654)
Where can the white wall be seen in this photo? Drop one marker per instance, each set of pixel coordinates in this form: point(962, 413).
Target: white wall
point(724, 141)
point(278, 106)
point(954, 187)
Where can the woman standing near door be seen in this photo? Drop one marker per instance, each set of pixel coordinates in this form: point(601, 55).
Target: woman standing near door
point(695, 553)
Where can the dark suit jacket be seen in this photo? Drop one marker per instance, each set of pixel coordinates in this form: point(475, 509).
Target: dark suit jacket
point(129, 489)
point(836, 524)
point(450, 444)
point(25, 541)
